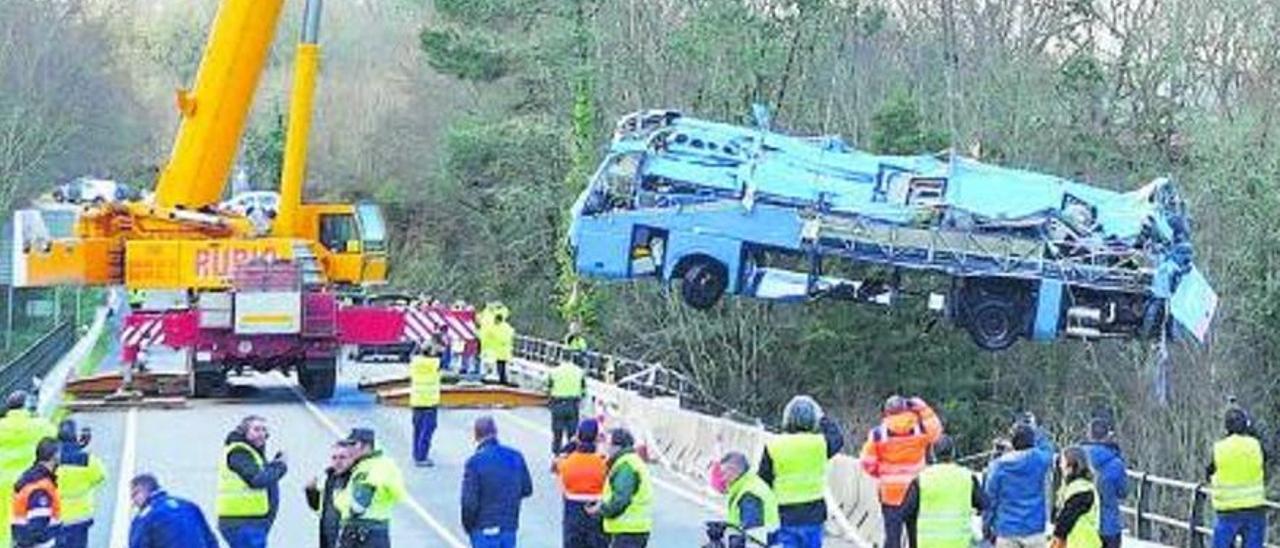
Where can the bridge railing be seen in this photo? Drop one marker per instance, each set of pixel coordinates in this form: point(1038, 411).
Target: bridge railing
point(37, 359)
point(1173, 512)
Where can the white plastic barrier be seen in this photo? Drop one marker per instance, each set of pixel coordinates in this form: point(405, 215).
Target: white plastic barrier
point(686, 443)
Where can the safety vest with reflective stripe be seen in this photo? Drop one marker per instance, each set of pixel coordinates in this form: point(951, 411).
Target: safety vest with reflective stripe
point(799, 467)
point(566, 381)
point(751, 484)
point(78, 485)
point(424, 381)
point(497, 342)
point(20, 431)
point(1238, 478)
point(582, 476)
point(380, 473)
point(23, 513)
point(236, 499)
point(946, 507)
point(1085, 532)
point(638, 517)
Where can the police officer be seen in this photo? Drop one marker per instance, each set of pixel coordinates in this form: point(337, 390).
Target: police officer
point(627, 501)
point(80, 476)
point(424, 398)
point(752, 509)
point(20, 431)
point(566, 385)
point(794, 464)
point(374, 488)
point(1239, 484)
point(941, 501)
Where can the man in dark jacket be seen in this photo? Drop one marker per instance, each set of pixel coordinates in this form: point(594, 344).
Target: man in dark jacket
point(320, 497)
point(36, 504)
point(1109, 475)
point(494, 483)
point(248, 485)
point(163, 521)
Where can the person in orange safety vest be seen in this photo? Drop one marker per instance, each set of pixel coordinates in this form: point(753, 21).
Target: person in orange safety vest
point(582, 470)
point(895, 453)
point(36, 514)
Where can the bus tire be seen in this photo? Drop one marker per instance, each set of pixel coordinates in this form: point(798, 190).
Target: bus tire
point(994, 322)
point(703, 283)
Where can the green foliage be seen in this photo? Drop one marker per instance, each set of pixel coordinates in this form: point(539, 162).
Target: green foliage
point(897, 128)
point(263, 151)
point(469, 56)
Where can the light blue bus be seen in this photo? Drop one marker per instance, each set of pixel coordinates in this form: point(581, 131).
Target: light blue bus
point(1004, 253)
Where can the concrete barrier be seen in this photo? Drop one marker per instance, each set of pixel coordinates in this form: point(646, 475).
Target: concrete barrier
point(52, 385)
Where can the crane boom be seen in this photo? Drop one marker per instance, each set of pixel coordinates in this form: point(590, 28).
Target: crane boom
point(215, 110)
point(294, 170)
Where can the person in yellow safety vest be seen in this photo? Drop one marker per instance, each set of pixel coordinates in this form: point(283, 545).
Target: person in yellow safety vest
point(1076, 518)
point(1238, 478)
point(20, 432)
point(574, 341)
point(248, 485)
point(794, 464)
point(626, 504)
point(424, 399)
point(80, 476)
point(497, 341)
point(137, 298)
point(751, 513)
point(374, 488)
point(566, 384)
point(941, 501)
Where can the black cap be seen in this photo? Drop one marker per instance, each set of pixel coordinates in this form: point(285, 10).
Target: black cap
point(361, 435)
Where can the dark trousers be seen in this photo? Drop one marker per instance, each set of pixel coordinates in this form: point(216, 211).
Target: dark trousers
point(502, 372)
point(424, 427)
point(629, 540)
point(75, 535)
point(1111, 541)
point(564, 422)
point(893, 524)
point(1250, 526)
point(358, 537)
point(244, 535)
point(582, 530)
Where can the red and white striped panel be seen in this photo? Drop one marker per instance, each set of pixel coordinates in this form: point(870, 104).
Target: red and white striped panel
point(143, 333)
point(420, 324)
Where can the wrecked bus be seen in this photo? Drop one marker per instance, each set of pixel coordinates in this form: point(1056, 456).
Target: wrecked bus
point(1004, 253)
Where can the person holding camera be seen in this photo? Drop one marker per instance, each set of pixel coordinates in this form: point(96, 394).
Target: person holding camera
point(80, 477)
point(248, 485)
point(1015, 488)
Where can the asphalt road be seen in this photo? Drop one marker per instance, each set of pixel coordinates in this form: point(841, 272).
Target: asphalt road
point(181, 448)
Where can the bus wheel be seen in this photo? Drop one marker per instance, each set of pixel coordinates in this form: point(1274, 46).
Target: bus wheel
point(703, 283)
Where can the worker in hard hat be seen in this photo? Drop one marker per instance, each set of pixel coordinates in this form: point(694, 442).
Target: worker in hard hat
point(895, 452)
point(497, 340)
point(80, 477)
point(20, 432)
point(424, 398)
point(794, 465)
point(566, 385)
point(942, 500)
point(1076, 521)
point(1238, 478)
point(751, 512)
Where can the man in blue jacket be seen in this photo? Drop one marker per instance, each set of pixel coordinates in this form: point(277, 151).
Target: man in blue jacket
point(1109, 474)
point(163, 521)
point(494, 483)
point(1016, 499)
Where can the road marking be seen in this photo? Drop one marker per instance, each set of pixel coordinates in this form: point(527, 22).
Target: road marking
point(413, 504)
point(691, 496)
point(124, 503)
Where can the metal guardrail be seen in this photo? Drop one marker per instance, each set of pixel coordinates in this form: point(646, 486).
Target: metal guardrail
point(647, 379)
point(1194, 527)
point(38, 359)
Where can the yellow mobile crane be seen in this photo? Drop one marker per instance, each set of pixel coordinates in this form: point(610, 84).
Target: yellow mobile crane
point(180, 240)
point(254, 297)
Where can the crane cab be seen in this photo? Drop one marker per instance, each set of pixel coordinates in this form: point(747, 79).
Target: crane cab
point(349, 241)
